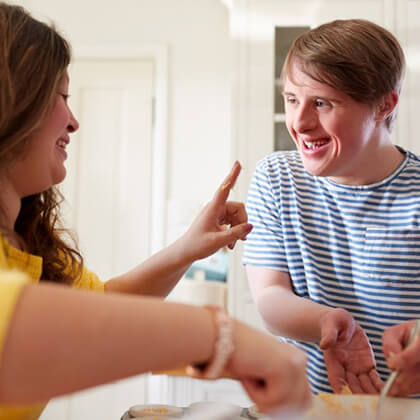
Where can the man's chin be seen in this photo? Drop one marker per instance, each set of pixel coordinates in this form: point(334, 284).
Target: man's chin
point(316, 170)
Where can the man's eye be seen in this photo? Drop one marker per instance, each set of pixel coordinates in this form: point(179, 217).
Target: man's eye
point(290, 100)
point(319, 103)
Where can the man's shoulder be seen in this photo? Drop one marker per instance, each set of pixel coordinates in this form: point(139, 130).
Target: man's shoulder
point(413, 159)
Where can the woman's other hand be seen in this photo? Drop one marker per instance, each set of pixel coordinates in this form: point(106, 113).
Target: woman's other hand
point(272, 373)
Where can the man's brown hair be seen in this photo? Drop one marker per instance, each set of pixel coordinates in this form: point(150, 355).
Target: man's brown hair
point(355, 56)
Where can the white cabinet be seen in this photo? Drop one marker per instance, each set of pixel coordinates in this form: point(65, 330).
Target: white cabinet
point(407, 29)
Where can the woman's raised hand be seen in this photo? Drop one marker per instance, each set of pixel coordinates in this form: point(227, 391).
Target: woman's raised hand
point(221, 223)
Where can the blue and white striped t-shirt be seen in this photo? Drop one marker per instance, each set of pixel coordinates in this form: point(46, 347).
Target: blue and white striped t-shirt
point(354, 247)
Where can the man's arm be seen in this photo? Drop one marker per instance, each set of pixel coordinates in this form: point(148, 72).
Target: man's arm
point(283, 312)
point(347, 351)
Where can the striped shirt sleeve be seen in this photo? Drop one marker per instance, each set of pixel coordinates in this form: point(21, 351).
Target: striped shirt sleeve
point(264, 245)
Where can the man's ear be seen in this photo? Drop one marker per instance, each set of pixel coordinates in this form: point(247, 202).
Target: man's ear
point(386, 105)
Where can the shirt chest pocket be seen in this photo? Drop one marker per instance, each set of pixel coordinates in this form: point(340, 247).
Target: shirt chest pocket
point(392, 256)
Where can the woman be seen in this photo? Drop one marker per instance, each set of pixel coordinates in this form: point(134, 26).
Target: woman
point(55, 340)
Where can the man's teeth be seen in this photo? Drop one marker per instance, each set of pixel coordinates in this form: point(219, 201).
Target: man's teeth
point(314, 144)
point(61, 143)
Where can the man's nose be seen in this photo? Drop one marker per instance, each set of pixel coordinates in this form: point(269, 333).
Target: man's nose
point(305, 119)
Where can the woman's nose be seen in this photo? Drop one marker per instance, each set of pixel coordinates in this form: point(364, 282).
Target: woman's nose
point(73, 124)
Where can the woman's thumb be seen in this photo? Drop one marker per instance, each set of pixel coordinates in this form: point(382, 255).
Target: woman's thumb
point(238, 232)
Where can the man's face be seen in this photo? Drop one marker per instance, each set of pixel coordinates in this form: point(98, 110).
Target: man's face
point(334, 134)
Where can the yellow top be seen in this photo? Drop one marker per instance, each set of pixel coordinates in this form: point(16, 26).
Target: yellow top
point(18, 268)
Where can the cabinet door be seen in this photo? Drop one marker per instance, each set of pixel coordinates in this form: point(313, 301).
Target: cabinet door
point(108, 185)
point(254, 27)
point(408, 32)
point(108, 188)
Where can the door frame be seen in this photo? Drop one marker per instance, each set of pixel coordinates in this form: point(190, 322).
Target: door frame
point(158, 53)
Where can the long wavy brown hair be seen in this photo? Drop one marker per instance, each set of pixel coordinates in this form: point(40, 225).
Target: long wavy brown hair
point(33, 60)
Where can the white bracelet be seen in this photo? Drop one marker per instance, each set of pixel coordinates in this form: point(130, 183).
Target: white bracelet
point(223, 347)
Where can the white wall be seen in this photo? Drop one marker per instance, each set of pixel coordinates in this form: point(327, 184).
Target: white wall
point(200, 50)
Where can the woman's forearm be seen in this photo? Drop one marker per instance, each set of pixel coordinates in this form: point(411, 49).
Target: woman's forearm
point(156, 276)
point(289, 315)
point(62, 340)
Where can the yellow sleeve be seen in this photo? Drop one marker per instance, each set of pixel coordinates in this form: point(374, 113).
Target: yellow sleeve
point(11, 284)
point(89, 281)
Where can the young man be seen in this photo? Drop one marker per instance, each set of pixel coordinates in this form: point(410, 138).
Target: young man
point(332, 260)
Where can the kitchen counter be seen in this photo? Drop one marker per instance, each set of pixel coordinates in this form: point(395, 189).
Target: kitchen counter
point(325, 407)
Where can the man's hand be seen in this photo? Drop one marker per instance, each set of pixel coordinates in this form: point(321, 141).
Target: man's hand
point(348, 354)
point(404, 358)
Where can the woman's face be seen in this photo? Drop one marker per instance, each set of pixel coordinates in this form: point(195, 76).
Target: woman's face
point(42, 163)
point(334, 134)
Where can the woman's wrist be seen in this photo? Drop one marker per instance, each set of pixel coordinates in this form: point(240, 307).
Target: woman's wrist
point(182, 254)
point(223, 346)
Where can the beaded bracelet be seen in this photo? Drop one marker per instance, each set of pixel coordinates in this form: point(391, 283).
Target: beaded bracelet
point(223, 347)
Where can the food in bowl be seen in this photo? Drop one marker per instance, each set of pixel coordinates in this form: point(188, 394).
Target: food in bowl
point(152, 410)
point(356, 407)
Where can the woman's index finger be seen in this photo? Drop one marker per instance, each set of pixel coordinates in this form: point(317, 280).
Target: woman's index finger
point(223, 191)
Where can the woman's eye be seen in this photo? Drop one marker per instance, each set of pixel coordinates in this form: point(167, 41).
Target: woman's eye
point(320, 103)
point(290, 100)
point(66, 96)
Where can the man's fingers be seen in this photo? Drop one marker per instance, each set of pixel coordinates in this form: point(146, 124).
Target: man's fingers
point(335, 370)
point(376, 379)
point(329, 335)
point(354, 383)
point(223, 191)
point(393, 339)
point(407, 358)
point(367, 384)
point(407, 383)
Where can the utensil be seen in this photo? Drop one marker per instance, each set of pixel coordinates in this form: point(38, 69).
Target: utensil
point(414, 332)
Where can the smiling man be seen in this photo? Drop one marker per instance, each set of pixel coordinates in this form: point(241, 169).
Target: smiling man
point(332, 259)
